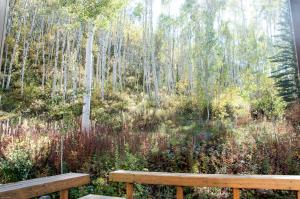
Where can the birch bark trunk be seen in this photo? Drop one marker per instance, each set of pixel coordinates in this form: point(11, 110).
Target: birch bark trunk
point(53, 92)
point(15, 50)
point(88, 79)
point(4, 7)
point(103, 64)
point(26, 49)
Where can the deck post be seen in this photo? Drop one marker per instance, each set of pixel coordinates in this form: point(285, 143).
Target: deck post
point(64, 194)
point(179, 192)
point(236, 193)
point(129, 191)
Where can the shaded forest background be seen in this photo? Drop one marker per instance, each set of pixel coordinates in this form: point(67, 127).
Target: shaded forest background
point(93, 87)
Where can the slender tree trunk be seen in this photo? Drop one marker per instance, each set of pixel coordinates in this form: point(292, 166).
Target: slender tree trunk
point(25, 51)
point(88, 79)
point(43, 60)
point(153, 59)
point(115, 60)
point(63, 62)
point(110, 41)
point(14, 53)
point(53, 92)
point(66, 68)
point(5, 66)
point(103, 64)
point(78, 58)
point(3, 23)
point(190, 63)
point(61, 154)
point(98, 63)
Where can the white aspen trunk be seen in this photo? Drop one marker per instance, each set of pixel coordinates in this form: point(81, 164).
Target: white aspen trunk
point(171, 64)
point(4, 8)
point(5, 66)
point(15, 50)
point(25, 51)
point(61, 154)
point(120, 62)
point(124, 63)
point(88, 79)
point(120, 46)
point(38, 46)
point(98, 68)
point(109, 51)
point(66, 69)
point(98, 63)
point(146, 50)
point(51, 58)
point(77, 62)
point(43, 60)
point(115, 61)
point(63, 63)
point(153, 59)
point(53, 92)
point(103, 64)
point(190, 63)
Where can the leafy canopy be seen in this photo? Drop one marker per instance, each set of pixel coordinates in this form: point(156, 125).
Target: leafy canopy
point(93, 10)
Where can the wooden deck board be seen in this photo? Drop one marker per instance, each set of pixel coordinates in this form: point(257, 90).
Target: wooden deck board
point(41, 186)
point(99, 197)
point(277, 182)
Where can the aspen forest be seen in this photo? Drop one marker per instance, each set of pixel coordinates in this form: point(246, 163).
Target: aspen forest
point(186, 86)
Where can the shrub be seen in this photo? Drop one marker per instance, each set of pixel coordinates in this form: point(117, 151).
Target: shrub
point(109, 113)
point(230, 104)
point(15, 166)
point(145, 116)
point(268, 104)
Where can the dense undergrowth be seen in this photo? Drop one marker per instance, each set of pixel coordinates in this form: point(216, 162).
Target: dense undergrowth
point(201, 92)
point(131, 133)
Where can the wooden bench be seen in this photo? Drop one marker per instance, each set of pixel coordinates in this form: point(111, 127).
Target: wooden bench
point(99, 197)
point(42, 186)
point(180, 180)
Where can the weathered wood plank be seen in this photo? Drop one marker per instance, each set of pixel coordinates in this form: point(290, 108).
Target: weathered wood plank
point(41, 186)
point(276, 182)
point(99, 197)
point(295, 8)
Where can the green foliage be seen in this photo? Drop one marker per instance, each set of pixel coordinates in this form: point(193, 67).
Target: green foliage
point(15, 166)
point(91, 10)
point(59, 111)
point(138, 10)
point(230, 104)
point(268, 104)
point(286, 74)
point(109, 113)
point(128, 161)
point(187, 108)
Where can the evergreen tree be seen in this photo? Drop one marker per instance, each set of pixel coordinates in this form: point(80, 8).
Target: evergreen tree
point(286, 74)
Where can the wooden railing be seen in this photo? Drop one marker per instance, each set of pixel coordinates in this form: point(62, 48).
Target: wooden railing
point(180, 180)
point(42, 186)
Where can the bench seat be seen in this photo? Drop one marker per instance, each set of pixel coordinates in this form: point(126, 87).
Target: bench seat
point(99, 197)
